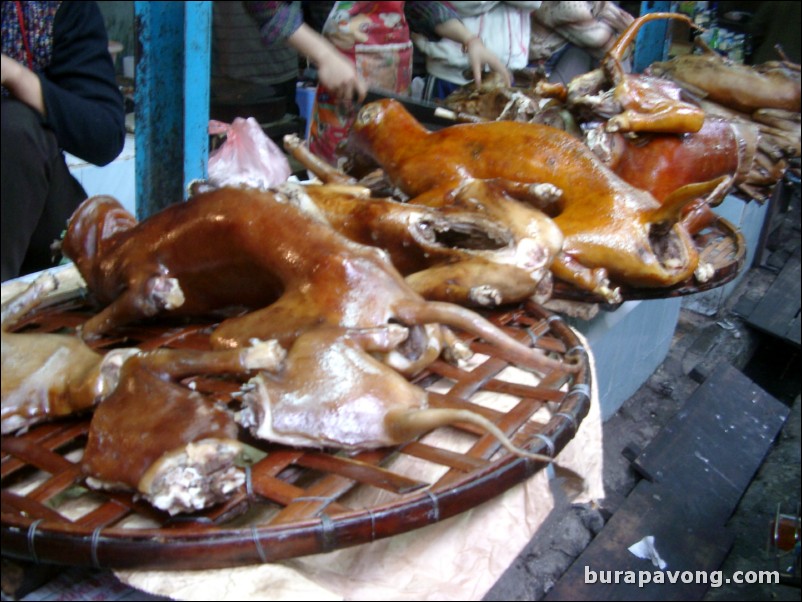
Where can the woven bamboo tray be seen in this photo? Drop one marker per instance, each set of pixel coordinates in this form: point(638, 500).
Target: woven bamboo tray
point(721, 245)
point(294, 502)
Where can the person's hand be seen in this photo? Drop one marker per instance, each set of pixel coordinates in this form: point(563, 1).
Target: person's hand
point(339, 75)
point(22, 83)
point(479, 56)
point(334, 70)
point(9, 68)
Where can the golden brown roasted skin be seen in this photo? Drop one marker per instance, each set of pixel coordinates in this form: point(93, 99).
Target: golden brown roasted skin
point(474, 252)
point(609, 225)
point(633, 102)
point(235, 247)
point(745, 88)
point(164, 440)
point(48, 376)
point(721, 151)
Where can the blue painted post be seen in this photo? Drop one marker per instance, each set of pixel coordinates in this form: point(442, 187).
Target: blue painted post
point(197, 89)
point(172, 100)
point(652, 41)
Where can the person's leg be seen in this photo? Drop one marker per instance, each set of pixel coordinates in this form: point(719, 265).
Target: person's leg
point(38, 192)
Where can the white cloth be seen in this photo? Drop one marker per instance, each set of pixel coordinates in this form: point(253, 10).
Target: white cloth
point(503, 26)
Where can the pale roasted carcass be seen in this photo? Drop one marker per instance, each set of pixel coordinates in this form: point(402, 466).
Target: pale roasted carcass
point(332, 392)
point(148, 434)
point(481, 251)
point(48, 376)
point(235, 247)
point(745, 88)
point(610, 227)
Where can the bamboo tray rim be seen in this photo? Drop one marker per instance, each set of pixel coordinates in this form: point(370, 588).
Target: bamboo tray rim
point(31, 530)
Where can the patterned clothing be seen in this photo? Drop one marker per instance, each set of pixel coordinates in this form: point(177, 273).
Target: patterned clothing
point(33, 46)
point(375, 35)
point(66, 45)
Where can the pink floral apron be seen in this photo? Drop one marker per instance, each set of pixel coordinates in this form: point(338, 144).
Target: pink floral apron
point(375, 36)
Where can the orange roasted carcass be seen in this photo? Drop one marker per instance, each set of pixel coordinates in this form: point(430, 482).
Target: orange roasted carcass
point(610, 227)
point(631, 102)
point(235, 247)
point(479, 252)
point(661, 164)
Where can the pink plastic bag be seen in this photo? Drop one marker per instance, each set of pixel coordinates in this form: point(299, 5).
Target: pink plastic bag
point(248, 158)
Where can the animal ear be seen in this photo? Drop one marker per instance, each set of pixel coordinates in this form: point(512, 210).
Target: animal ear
point(670, 211)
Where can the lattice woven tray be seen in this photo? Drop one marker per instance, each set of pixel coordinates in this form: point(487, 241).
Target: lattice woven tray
point(721, 245)
point(294, 502)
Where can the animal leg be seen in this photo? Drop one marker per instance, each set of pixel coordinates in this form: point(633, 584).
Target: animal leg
point(146, 298)
point(473, 282)
point(595, 280)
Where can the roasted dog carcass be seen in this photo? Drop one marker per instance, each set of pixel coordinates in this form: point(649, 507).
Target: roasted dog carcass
point(48, 376)
point(721, 151)
point(745, 88)
point(148, 433)
point(243, 247)
point(331, 392)
point(610, 227)
point(633, 102)
point(481, 251)
point(171, 444)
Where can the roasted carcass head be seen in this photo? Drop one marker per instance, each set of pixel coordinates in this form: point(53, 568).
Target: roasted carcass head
point(610, 227)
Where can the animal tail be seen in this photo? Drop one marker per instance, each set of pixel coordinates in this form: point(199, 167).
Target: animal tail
point(625, 39)
point(406, 425)
point(469, 321)
point(670, 210)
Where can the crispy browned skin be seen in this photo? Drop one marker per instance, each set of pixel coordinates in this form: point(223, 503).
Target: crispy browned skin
point(722, 151)
point(608, 224)
point(234, 247)
point(481, 249)
point(633, 102)
point(147, 417)
point(745, 88)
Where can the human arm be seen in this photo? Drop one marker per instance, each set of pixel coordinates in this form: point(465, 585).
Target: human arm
point(22, 83)
point(82, 102)
point(282, 23)
point(439, 19)
point(478, 54)
point(334, 70)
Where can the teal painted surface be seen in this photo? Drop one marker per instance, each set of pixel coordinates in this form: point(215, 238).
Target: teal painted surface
point(651, 43)
point(628, 345)
point(197, 89)
point(172, 100)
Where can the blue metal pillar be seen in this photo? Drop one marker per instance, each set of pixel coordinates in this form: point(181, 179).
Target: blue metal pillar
point(652, 41)
point(172, 100)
